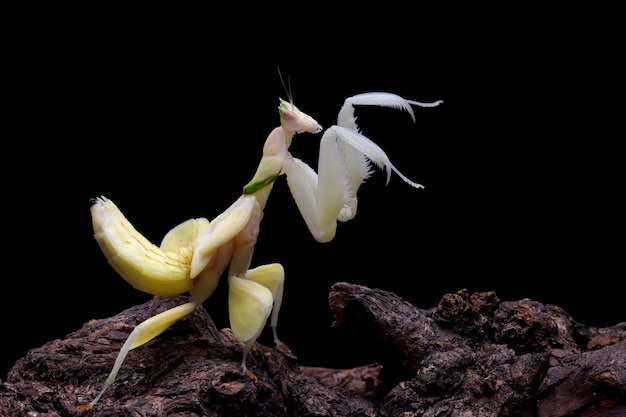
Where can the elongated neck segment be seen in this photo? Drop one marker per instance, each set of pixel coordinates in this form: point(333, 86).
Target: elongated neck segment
point(270, 166)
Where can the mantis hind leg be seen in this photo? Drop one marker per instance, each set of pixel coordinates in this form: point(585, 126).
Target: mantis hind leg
point(141, 334)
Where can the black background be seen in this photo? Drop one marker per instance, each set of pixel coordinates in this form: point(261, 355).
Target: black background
point(522, 164)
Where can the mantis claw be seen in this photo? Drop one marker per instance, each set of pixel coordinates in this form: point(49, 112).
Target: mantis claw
point(282, 346)
point(252, 376)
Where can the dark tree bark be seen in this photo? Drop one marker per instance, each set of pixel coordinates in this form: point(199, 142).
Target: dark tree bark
point(472, 355)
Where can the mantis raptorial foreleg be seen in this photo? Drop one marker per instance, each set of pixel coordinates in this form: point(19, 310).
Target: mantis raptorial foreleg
point(344, 163)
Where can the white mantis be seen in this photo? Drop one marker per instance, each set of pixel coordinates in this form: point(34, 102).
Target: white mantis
point(193, 255)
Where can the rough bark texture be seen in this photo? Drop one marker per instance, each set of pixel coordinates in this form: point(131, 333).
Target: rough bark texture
point(472, 355)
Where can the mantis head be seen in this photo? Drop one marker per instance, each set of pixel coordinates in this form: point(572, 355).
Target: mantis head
point(293, 120)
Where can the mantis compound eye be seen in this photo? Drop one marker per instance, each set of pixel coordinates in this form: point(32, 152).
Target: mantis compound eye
point(289, 116)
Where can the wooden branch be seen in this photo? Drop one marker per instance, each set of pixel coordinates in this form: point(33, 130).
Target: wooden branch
point(475, 355)
point(471, 355)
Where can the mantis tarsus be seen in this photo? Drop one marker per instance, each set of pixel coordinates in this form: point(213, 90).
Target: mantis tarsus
point(193, 255)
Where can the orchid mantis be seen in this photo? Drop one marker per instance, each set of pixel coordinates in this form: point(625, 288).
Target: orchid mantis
point(194, 255)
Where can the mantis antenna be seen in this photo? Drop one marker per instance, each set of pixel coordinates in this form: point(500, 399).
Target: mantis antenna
point(286, 87)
